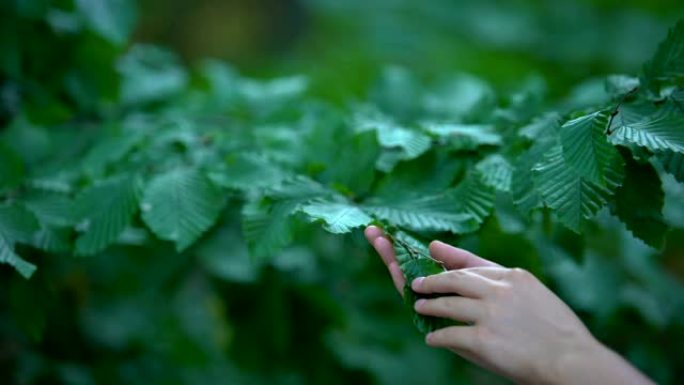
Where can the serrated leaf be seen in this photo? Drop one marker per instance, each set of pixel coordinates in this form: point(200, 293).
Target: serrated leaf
point(571, 196)
point(267, 227)
point(415, 261)
point(17, 225)
point(639, 204)
point(267, 224)
point(649, 126)
point(673, 163)
point(524, 192)
point(496, 172)
point(104, 211)
point(587, 151)
point(668, 62)
point(473, 197)
point(337, 217)
point(429, 213)
point(181, 205)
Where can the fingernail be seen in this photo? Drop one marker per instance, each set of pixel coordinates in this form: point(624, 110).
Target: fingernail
point(428, 337)
point(419, 303)
point(417, 282)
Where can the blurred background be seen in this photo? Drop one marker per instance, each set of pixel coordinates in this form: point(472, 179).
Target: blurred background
point(323, 313)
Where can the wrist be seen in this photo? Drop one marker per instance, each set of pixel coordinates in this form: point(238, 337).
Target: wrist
point(573, 362)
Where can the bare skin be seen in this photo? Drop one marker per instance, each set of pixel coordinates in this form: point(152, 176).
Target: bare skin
point(516, 327)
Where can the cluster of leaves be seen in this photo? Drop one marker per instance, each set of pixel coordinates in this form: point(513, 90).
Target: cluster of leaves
point(170, 174)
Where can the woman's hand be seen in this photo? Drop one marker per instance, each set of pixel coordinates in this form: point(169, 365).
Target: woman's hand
point(516, 326)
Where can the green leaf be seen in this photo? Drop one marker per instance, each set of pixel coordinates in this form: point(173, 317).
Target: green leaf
point(465, 136)
point(673, 163)
point(352, 165)
point(496, 172)
point(267, 227)
point(473, 197)
point(181, 205)
point(415, 261)
point(639, 204)
point(620, 85)
point(429, 213)
point(112, 19)
point(267, 224)
point(247, 171)
point(587, 151)
point(540, 126)
point(571, 196)
point(524, 192)
point(399, 142)
point(150, 74)
point(668, 62)
point(17, 225)
point(338, 217)
point(104, 211)
point(649, 126)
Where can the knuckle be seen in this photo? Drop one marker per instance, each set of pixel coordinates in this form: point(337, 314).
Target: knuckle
point(520, 274)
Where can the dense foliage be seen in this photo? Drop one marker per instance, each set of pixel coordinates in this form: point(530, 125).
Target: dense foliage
point(196, 195)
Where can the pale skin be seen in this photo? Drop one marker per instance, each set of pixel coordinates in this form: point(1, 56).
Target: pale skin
point(513, 324)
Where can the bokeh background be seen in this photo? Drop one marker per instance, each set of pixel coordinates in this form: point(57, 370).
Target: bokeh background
point(322, 311)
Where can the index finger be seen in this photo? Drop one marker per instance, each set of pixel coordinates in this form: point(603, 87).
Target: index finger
point(456, 258)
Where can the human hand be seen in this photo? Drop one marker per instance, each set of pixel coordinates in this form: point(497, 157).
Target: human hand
point(516, 326)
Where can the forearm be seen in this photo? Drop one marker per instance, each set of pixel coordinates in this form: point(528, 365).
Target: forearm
point(594, 363)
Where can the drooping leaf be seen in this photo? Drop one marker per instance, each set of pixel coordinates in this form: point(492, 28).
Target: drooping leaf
point(526, 197)
point(668, 62)
point(639, 204)
point(181, 205)
point(104, 211)
point(17, 225)
point(496, 172)
point(587, 151)
point(415, 261)
point(571, 196)
point(649, 126)
point(337, 217)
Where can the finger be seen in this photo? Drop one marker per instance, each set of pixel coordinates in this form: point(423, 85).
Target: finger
point(491, 272)
point(384, 247)
point(454, 281)
point(461, 338)
point(455, 258)
point(397, 277)
point(372, 232)
point(455, 308)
